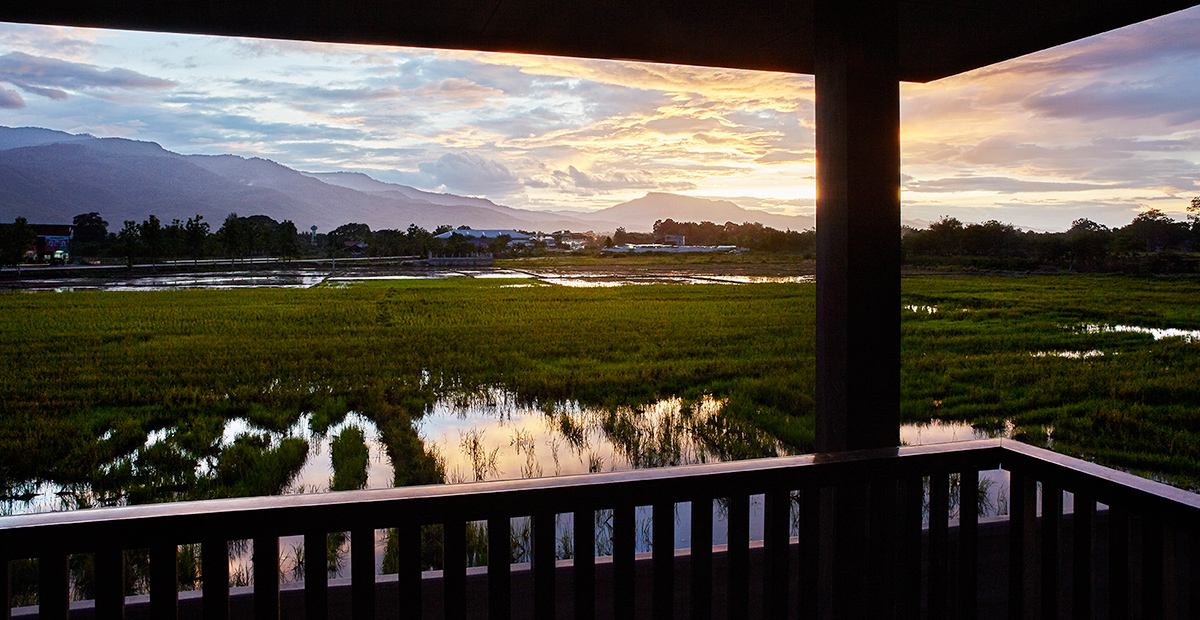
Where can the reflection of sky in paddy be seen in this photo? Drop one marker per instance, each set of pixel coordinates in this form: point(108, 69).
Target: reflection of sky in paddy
point(530, 441)
point(945, 431)
point(309, 277)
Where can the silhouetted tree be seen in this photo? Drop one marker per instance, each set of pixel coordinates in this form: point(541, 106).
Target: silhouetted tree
point(1156, 230)
point(233, 236)
point(195, 234)
point(90, 231)
point(129, 241)
point(151, 233)
point(287, 240)
point(19, 238)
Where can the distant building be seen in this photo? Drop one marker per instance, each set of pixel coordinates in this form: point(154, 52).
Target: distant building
point(484, 237)
point(674, 240)
point(52, 242)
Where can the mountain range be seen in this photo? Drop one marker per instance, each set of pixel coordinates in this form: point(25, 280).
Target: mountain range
point(49, 176)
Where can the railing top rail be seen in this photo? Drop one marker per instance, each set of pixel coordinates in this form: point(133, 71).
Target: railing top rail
point(1115, 484)
point(854, 460)
point(181, 522)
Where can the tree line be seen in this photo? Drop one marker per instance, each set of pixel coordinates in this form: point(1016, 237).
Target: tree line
point(750, 235)
point(1152, 242)
point(152, 240)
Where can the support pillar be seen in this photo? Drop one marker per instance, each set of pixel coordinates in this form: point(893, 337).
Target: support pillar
point(858, 225)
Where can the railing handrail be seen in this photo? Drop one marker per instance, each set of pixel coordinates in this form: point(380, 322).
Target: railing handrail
point(869, 505)
point(489, 487)
point(293, 514)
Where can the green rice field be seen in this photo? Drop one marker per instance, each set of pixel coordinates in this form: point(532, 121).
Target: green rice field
point(90, 375)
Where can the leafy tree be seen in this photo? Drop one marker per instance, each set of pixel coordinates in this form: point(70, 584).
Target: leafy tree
point(498, 245)
point(233, 236)
point(348, 234)
point(261, 234)
point(620, 237)
point(195, 234)
point(128, 238)
point(19, 239)
point(1156, 230)
point(1088, 242)
point(151, 232)
point(89, 234)
point(287, 240)
point(421, 241)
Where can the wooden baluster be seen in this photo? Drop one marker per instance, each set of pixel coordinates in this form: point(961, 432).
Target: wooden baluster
point(663, 557)
point(968, 544)
point(939, 523)
point(408, 569)
point(1083, 527)
point(882, 546)
point(214, 568)
point(110, 582)
point(702, 544)
point(544, 543)
point(266, 577)
point(738, 556)
point(6, 584)
point(362, 573)
point(164, 581)
point(777, 514)
point(454, 570)
point(1172, 596)
point(1118, 563)
point(316, 576)
point(1152, 568)
point(1052, 510)
point(54, 585)
point(912, 506)
point(809, 533)
point(849, 511)
point(624, 551)
point(1193, 583)
point(499, 569)
point(1022, 517)
point(585, 564)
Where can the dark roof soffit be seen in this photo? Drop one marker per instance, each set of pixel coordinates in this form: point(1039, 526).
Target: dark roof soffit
point(938, 38)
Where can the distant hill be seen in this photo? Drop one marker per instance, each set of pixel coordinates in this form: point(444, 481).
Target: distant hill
point(640, 214)
point(50, 176)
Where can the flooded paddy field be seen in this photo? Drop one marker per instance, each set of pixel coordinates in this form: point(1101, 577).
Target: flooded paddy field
point(386, 377)
point(310, 273)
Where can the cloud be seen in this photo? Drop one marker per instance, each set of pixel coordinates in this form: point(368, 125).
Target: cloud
point(578, 182)
point(49, 77)
point(1002, 185)
point(786, 157)
point(1170, 99)
point(10, 100)
point(472, 174)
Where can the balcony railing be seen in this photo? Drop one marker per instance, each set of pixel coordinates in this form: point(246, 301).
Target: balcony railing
point(872, 534)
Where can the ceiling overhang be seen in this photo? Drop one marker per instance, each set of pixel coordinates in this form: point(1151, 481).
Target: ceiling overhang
point(938, 38)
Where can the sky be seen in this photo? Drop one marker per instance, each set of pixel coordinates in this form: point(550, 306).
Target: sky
point(1102, 128)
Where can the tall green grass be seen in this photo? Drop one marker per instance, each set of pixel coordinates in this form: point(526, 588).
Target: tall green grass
point(90, 364)
point(1133, 403)
point(85, 364)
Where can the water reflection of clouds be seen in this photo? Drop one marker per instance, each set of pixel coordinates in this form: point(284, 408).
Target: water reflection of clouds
point(563, 438)
point(1188, 335)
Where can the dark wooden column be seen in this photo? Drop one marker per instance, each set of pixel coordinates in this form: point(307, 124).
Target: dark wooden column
point(858, 224)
